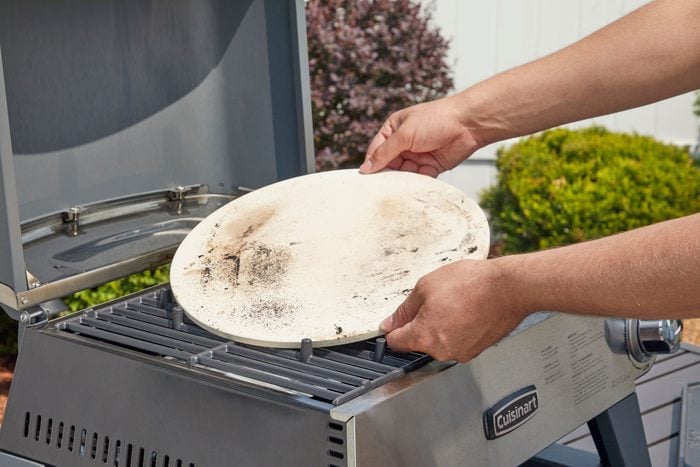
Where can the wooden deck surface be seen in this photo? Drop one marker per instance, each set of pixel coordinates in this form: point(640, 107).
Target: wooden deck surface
point(659, 392)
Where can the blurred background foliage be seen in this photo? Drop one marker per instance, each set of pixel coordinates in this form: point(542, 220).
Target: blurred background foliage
point(368, 59)
point(117, 288)
point(564, 186)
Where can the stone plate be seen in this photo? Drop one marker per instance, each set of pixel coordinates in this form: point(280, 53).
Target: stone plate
point(325, 256)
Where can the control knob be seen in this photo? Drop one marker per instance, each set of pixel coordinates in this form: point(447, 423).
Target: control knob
point(642, 339)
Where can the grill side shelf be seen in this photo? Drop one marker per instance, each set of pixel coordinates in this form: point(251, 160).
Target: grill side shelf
point(155, 324)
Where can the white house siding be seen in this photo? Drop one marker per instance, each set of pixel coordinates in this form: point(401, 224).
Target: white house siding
point(490, 36)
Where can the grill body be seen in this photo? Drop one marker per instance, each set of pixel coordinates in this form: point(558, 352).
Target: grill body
point(124, 409)
point(116, 399)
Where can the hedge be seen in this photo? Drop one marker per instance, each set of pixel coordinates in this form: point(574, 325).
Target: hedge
point(565, 186)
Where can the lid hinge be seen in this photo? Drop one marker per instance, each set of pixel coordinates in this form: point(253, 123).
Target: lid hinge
point(33, 316)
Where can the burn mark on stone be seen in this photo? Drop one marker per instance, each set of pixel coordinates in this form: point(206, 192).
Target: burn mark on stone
point(267, 266)
point(249, 231)
point(205, 275)
point(395, 275)
point(235, 270)
point(406, 291)
point(472, 249)
point(390, 251)
point(271, 313)
point(442, 260)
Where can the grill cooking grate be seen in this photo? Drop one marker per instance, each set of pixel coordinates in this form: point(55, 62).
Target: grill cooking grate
point(156, 324)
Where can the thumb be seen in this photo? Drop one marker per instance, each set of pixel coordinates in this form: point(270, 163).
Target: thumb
point(403, 314)
point(394, 145)
point(403, 339)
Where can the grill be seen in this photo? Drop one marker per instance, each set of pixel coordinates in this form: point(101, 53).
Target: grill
point(153, 323)
point(122, 125)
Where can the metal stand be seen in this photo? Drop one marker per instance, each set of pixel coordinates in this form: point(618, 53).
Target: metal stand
point(618, 435)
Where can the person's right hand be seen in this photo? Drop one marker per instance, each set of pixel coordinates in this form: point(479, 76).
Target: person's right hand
point(426, 138)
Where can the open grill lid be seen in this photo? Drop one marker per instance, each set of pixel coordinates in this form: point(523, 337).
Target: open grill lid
point(122, 124)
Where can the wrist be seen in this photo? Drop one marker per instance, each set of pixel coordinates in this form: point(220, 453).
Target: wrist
point(480, 115)
point(520, 295)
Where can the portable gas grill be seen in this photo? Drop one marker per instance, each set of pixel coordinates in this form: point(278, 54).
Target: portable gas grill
point(124, 123)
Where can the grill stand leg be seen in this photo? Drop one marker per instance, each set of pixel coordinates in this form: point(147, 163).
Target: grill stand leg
point(618, 434)
point(619, 437)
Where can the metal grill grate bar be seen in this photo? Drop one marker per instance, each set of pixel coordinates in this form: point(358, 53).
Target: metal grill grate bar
point(143, 335)
point(288, 372)
point(173, 333)
point(331, 365)
point(151, 310)
point(294, 363)
point(270, 378)
point(128, 341)
point(137, 315)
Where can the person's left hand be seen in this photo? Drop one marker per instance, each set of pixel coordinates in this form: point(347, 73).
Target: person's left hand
point(455, 312)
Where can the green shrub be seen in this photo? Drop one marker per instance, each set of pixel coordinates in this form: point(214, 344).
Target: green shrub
point(117, 288)
point(565, 186)
point(696, 104)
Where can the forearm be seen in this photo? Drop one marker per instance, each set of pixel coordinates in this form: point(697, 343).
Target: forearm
point(651, 272)
point(651, 54)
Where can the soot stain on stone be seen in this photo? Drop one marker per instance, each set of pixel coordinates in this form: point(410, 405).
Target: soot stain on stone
point(391, 251)
point(241, 232)
point(235, 267)
point(267, 266)
point(466, 240)
point(472, 249)
point(394, 275)
point(271, 313)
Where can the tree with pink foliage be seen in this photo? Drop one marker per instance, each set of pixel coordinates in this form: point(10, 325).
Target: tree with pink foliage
point(367, 59)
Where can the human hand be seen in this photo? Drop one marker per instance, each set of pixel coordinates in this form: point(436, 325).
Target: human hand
point(456, 311)
point(426, 138)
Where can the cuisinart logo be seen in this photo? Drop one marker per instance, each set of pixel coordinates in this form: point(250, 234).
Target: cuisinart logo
point(510, 412)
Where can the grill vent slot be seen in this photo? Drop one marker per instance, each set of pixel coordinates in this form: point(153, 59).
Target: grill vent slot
point(71, 439)
point(38, 428)
point(59, 438)
point(49, 427)
point(336, 445)
point(105, 450)
point(83, 437)
point(49, 432)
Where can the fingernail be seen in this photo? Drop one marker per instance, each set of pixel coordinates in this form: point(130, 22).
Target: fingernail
point(386, 325)
point(366, 166)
